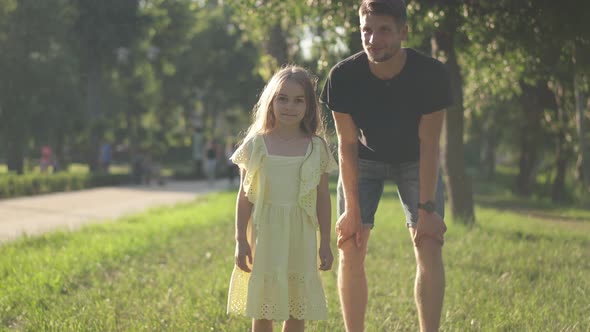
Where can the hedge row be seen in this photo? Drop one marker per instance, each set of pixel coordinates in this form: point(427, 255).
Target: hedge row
point(12, 185)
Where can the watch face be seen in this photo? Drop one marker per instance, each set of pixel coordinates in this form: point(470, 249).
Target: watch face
point(427, 206)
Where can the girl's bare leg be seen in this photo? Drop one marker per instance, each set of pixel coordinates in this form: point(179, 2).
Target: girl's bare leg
point(294, 325)
point(261, 325)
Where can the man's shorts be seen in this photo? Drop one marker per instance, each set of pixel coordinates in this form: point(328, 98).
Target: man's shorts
point(371, 179)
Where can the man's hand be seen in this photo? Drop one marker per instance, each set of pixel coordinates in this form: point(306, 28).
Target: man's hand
point(430, 225)
point(347, 226)
point(242, 252)
point(326, 257)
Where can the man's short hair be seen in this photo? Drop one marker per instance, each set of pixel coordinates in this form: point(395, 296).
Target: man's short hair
point(393, 8)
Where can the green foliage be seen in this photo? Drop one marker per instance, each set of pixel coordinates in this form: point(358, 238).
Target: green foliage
point(138, 73)
point(130, 72)
point(327, 26)
point(38, 88)
point(12, 185)
point(502, 47)
point(198, 67)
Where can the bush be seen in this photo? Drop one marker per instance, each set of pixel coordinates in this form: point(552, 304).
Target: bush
point(13, 185)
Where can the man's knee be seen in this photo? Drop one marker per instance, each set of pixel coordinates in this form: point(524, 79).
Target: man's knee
point(428, 253)
point(351, 256)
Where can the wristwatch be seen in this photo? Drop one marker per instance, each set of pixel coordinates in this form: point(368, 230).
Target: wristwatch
point(428, 206)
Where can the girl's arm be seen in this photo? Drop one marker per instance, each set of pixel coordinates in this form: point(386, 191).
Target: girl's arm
point(324, 212)
point(243, 212)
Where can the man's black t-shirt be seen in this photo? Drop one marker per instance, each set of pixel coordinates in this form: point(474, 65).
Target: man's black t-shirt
point(387, 112)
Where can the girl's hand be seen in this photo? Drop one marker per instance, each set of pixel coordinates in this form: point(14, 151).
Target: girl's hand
point(326, 257)
point(242, 252)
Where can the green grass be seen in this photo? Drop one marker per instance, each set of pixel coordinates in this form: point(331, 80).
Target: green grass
point(169, 269)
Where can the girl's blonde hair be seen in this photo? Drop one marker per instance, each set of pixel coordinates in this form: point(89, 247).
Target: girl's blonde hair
point(263, 118)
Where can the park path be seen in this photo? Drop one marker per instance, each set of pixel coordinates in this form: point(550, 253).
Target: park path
point(35, 215)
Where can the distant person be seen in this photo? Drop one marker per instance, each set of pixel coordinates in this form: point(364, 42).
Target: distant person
point(105, 156)
point(55, 165)
point(284, 162)
point(152, 170)
point(146, 168)
point(197, 153)
point(46, 159)
point(232, 169)
point(211, 157)
point(137, 167)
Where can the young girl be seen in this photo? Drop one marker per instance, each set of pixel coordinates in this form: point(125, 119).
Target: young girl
point(283, 200)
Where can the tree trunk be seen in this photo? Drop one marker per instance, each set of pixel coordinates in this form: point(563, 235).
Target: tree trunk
point(530, 135)
point(489, 144)
point(583, 163)
point(93, 100)
point(15, 156)
point(489, 156)
point(562, 149)
point(458, 183)
point(61, 153)
point(558, 193)
point(277, 45)
point(584, 156)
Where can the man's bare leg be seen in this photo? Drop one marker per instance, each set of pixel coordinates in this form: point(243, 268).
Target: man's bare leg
point(352, 282)
point(429, 289)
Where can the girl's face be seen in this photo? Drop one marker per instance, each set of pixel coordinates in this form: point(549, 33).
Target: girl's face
point(289, 105)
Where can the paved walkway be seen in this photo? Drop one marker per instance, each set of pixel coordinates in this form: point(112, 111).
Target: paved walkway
point(69, 210)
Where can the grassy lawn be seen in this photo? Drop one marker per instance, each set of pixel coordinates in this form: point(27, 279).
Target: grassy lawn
point(168, 270)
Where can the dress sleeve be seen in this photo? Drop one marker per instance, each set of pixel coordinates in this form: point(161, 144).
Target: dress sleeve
point(242, 154)
point(249, 156)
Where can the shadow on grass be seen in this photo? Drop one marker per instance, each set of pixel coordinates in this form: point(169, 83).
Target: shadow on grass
point(498, 194)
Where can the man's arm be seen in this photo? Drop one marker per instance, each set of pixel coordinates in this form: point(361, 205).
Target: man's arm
point(324, 212)
point(429, 132)
point(349, 223)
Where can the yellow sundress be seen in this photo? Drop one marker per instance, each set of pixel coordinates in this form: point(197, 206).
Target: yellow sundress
point(285, 280)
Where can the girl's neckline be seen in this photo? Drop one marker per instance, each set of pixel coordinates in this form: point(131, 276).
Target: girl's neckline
point(283, 156)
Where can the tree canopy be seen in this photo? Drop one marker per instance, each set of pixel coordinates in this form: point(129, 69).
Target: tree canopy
point(146, 74)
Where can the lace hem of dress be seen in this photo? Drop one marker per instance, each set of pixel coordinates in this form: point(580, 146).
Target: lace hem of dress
point(305, 296)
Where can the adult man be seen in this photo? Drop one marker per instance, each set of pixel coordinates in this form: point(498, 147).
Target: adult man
point(105, 155)
point(388, 105)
